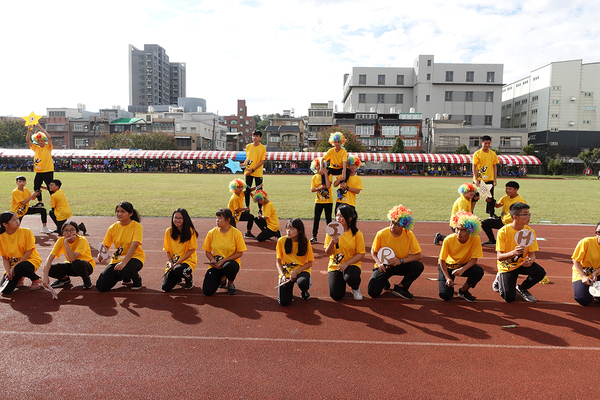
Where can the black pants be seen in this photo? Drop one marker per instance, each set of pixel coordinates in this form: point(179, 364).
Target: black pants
point(473, 275)
point(257, 181)
point(285, 293)
point(491, 223)
point(581, 293)
point(45, 177)
point(37, 210)
point(245, 216)
point(411, 271)
point(212, 278)
point(265, 233)
point(508, 280)
point(22, 269)
point(319, 208)
point(77, 268)
point(58, 223)
point(337, 281)
point(109, 277)
point(172, 278)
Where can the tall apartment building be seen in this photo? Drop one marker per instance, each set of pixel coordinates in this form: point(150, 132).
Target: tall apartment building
point(241, 122)
point(153, 80)
point(464, 92)
point(556, 104)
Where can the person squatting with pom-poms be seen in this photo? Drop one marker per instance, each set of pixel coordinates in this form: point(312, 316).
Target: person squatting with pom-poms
point(266, 219)
point(236, 205)
point(463, 203)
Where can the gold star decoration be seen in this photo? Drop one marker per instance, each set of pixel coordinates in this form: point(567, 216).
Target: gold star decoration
point(32, 119)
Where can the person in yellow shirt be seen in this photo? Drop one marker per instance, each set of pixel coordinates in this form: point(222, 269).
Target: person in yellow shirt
point(512, 197)
point(345, 254)
point(406, 255)
point(19, 255)
point(586, 267)
point(266, 219)
point(60, 209)
point(236, 205)
point(223, 247)
point(323, 199)
point(351, 186)
point(20, 203)
point(79, 261)
point(485, 169)
point(256, 154)
point(294, 261)
point(43, 166)
point(335, 161)
point(180, 244)
point(516, 246)
point(458, 257)
point(128, 259)
point(463, 203)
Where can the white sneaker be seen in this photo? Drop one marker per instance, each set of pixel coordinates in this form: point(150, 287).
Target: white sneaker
point(356, 294)
point(45, 230)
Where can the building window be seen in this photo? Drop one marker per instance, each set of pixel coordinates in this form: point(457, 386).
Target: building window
point(365, 130)
point(409, 131)
point(588, 94)
point(79, 128)
point(512, 141)
point(488, 120)
point(381, 98)
point(399, 99)
point(524, 101)
point(429, 63)
point(274, 139)
point(400, 80)
point(233, 122)
point(448, 96)
point(427, 97)
point(587, 122)
point(449, 140)
point(490, 76)
point(554, 115)
point(468, 96)
point(381, 79)
point(489, 96)
point(410, 143)
point(468, 119)
point(534, 111)
point(555, 87)
point(470, 76)
point(428, 77)
point(449, 76)
point(523, 113)
point(474, 141)
point(535, 78)
point(81, 142)
point(534, 124)
point(362, 79)
point(390, 130)
point(555, 101)
point(534, 98)
point(517, 103)
point(362, 98)
point(589, 108)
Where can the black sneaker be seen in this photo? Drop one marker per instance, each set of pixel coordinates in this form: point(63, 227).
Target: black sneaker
point(387, 285)
point(524, 293)
point(38, 205)
point(489, 243)
point(82, 228)
point(402, 292)
point(231, 289)
point(249, 234)
point(313, 240)
point(87, 283)
point(126, 281)
point(61, 282)
point(223, 284)
point(189, 283)
point(496, 286)
point(466, 295)
point(305, 295)
point(278, 234)
point(137, 284)
point(438, 238)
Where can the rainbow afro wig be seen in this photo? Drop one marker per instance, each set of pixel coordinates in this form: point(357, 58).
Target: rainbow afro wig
point(466, 188)
point(39, 137)
point(354, 160)
point(236, 184)
point(259, 196)
point(468, 221)
point(402, 216)
point(315, 165)
point(337, 137)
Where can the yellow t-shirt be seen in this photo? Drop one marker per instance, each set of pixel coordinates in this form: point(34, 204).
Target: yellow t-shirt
point(80, 245)
point(42, 159)
point(17, 198)
point(322, 196)
point(14, 246)
point(400, 245)
point(461, 204)
point(236, 202)
point(122, 236)
point(506, 242)
point(484, 163)
point(336, 158)
point(349, 246)
point(177, 249)
point(224, 245)
point(587, 253)
point(255, 154)
point(506, 202)
point(270, 214)
point(62, 209)
point(292, 261)
point(457, 254)
point(354, 182)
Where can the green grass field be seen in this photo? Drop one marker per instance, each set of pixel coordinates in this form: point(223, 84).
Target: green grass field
point(561, 201)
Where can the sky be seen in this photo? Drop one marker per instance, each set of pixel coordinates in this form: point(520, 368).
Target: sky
point(276, 54)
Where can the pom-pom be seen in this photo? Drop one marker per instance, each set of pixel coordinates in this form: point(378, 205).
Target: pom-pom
point(354, 160)
point(260, 195)
point(468, 221)
point(337, 137)
point(402, 216)
point(236, 184)
point(466, 188)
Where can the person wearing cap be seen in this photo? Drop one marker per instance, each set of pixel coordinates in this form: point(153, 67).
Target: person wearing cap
point(256, 154)
point(43, 166)
point(458, 257)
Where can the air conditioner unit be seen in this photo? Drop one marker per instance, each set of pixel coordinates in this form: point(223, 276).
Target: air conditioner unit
point(508, 117)
point(573, 98)
point(571, 123)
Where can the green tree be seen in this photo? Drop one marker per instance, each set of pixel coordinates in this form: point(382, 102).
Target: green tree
point(398, 146)
point(260, 123)
point(12, 134)
point(589, 157)
point(352, 142)
point(462, 150)
point(528, 150)
point(555, 165)
point(134, 140)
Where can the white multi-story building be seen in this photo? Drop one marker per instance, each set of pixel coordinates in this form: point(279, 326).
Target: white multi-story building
point(461, 92)
point(556, 104)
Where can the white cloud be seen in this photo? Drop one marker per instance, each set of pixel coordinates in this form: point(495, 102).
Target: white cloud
point(275, 54)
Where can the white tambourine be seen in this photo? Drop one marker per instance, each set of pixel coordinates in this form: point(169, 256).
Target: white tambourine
point(385, 254)
point(595, 289)
point(335, 230)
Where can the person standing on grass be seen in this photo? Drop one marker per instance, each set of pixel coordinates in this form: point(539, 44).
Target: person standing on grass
point(223, 246)
point(256, 154)
point(323, 199)
point(351, 187)
point(43, 166)
point(20, 203)
point(128, 259)
point(516, 247)
point(180, 244)
point(79, 261)
point(485, 169)
point(586, 267)
point(236, 205)
point(345, 254)
point(406, 259)
point(294, 261)
point(458, 257)
point(19, 255)
point(463, 203)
